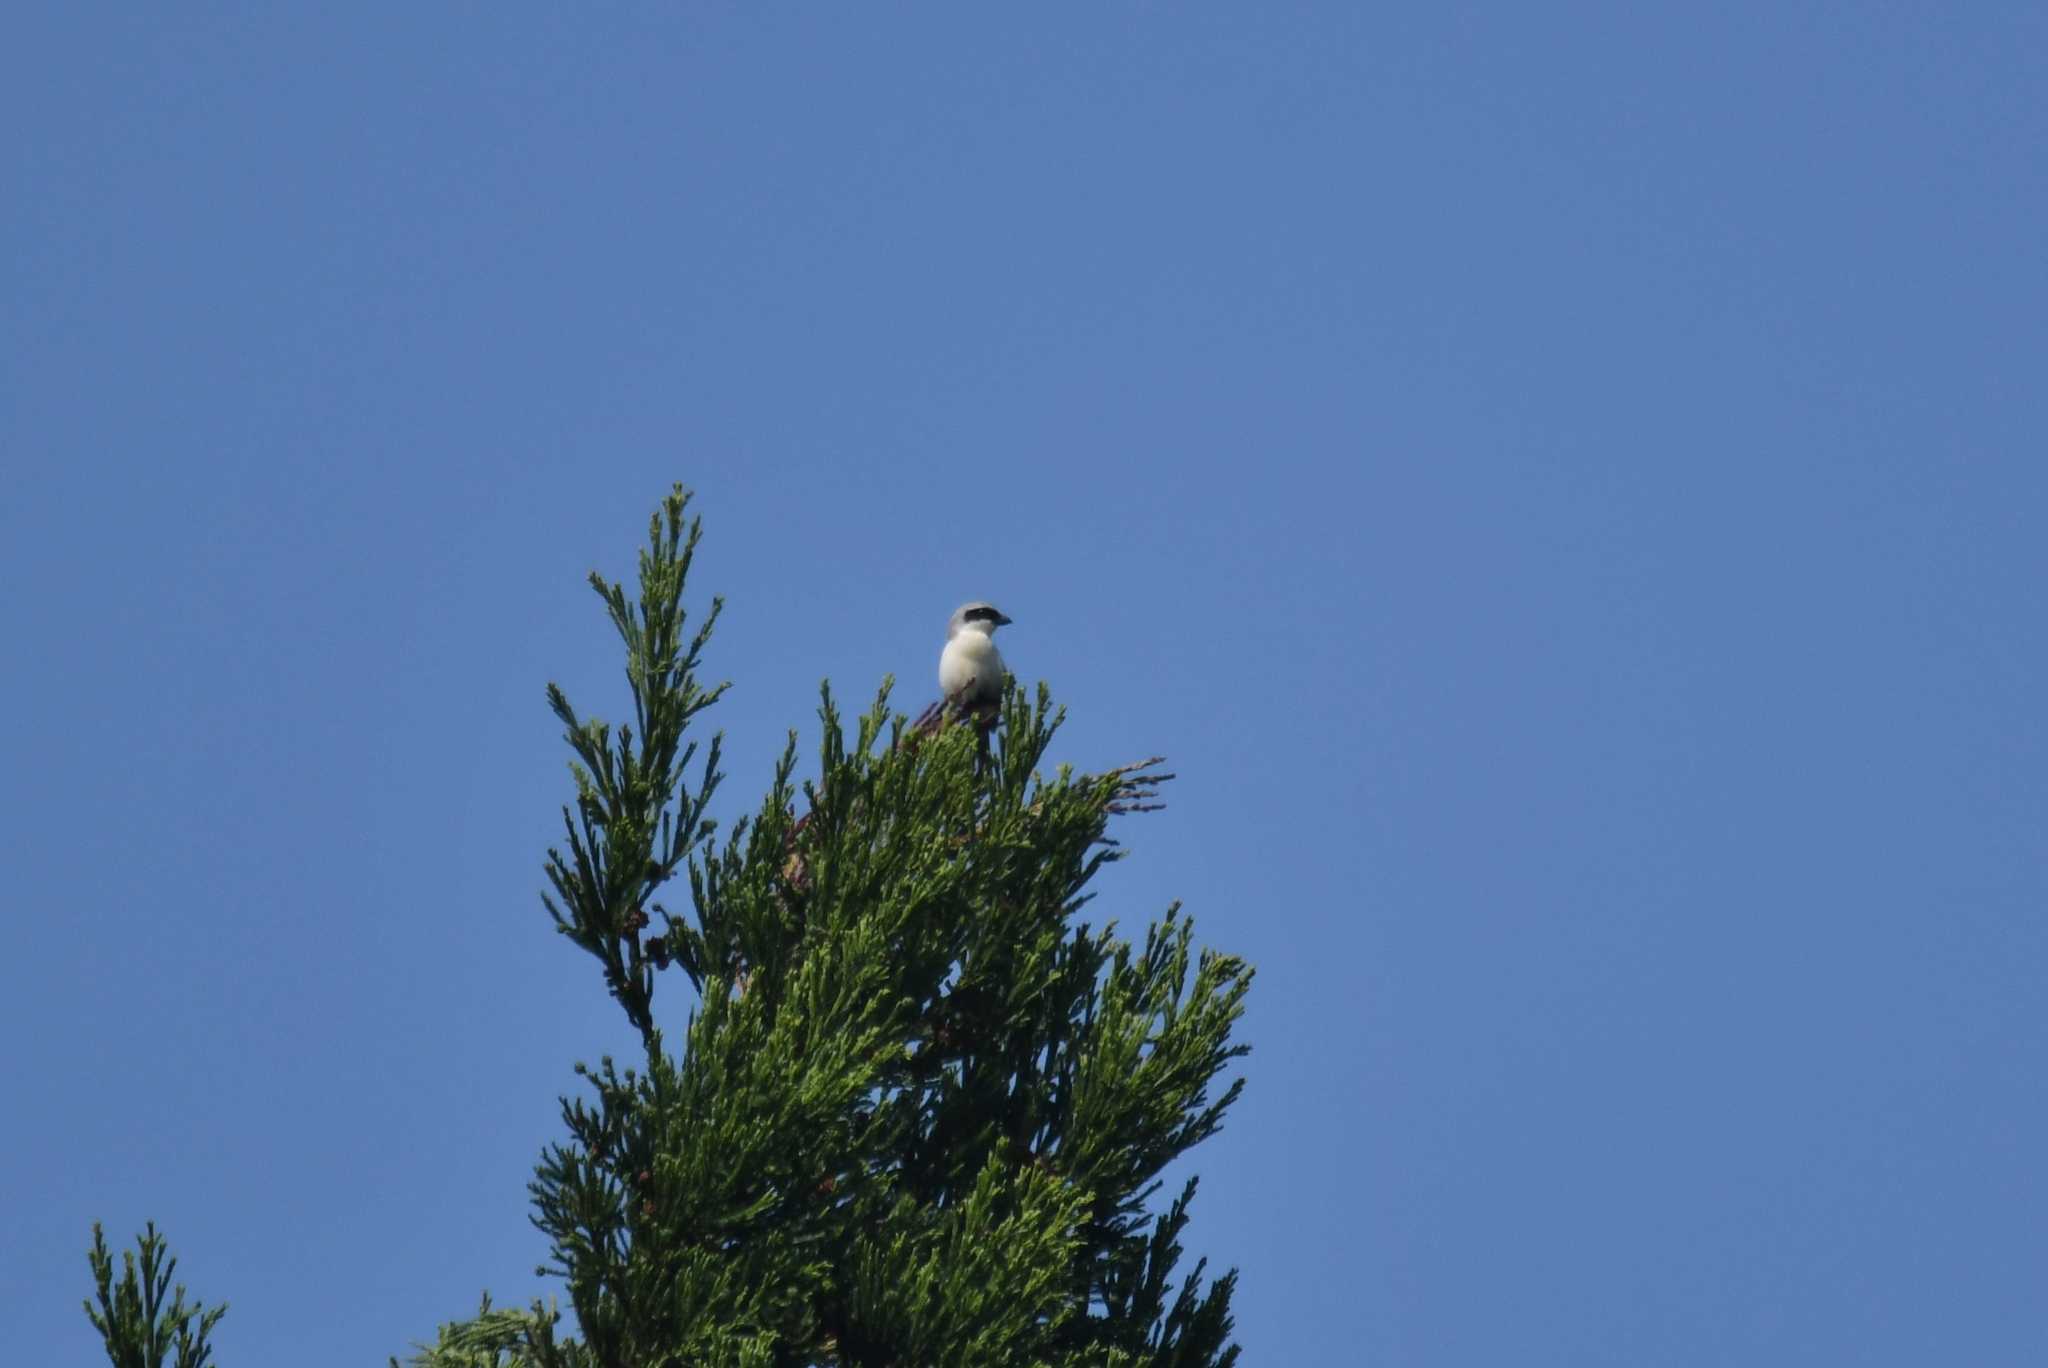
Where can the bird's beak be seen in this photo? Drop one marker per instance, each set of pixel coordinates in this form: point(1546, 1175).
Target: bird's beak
point(1001, 621)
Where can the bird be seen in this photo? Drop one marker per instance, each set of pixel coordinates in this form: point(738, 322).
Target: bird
point(970, 668)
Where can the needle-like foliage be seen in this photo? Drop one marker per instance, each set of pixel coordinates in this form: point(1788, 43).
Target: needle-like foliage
point(141, 1329)
point(918, 1110)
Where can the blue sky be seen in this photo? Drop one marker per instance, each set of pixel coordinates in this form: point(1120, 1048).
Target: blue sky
point(1564, 485)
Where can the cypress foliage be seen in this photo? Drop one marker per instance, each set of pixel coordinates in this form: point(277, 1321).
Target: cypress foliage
point(139, 1328)
point(918, 1112)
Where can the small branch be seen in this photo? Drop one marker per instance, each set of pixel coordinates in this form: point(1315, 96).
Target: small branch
point(1136, 790)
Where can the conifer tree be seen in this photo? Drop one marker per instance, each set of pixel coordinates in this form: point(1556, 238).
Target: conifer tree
point(140, 1330)
point(918, 1110)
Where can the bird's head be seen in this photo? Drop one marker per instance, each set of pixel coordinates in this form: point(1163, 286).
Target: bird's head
point(975, 617)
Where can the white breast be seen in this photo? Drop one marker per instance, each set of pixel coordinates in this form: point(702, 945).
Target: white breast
point(971, 660)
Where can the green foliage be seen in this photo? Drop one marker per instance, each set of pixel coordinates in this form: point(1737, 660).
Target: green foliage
point(632, 826)
point(139, 1329)
point(919, 1109)
point(503, 1339)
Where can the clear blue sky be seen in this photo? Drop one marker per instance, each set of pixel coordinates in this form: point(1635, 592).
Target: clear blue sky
point(1564, 484)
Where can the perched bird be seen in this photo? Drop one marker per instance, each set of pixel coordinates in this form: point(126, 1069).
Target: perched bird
point(970, 668)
